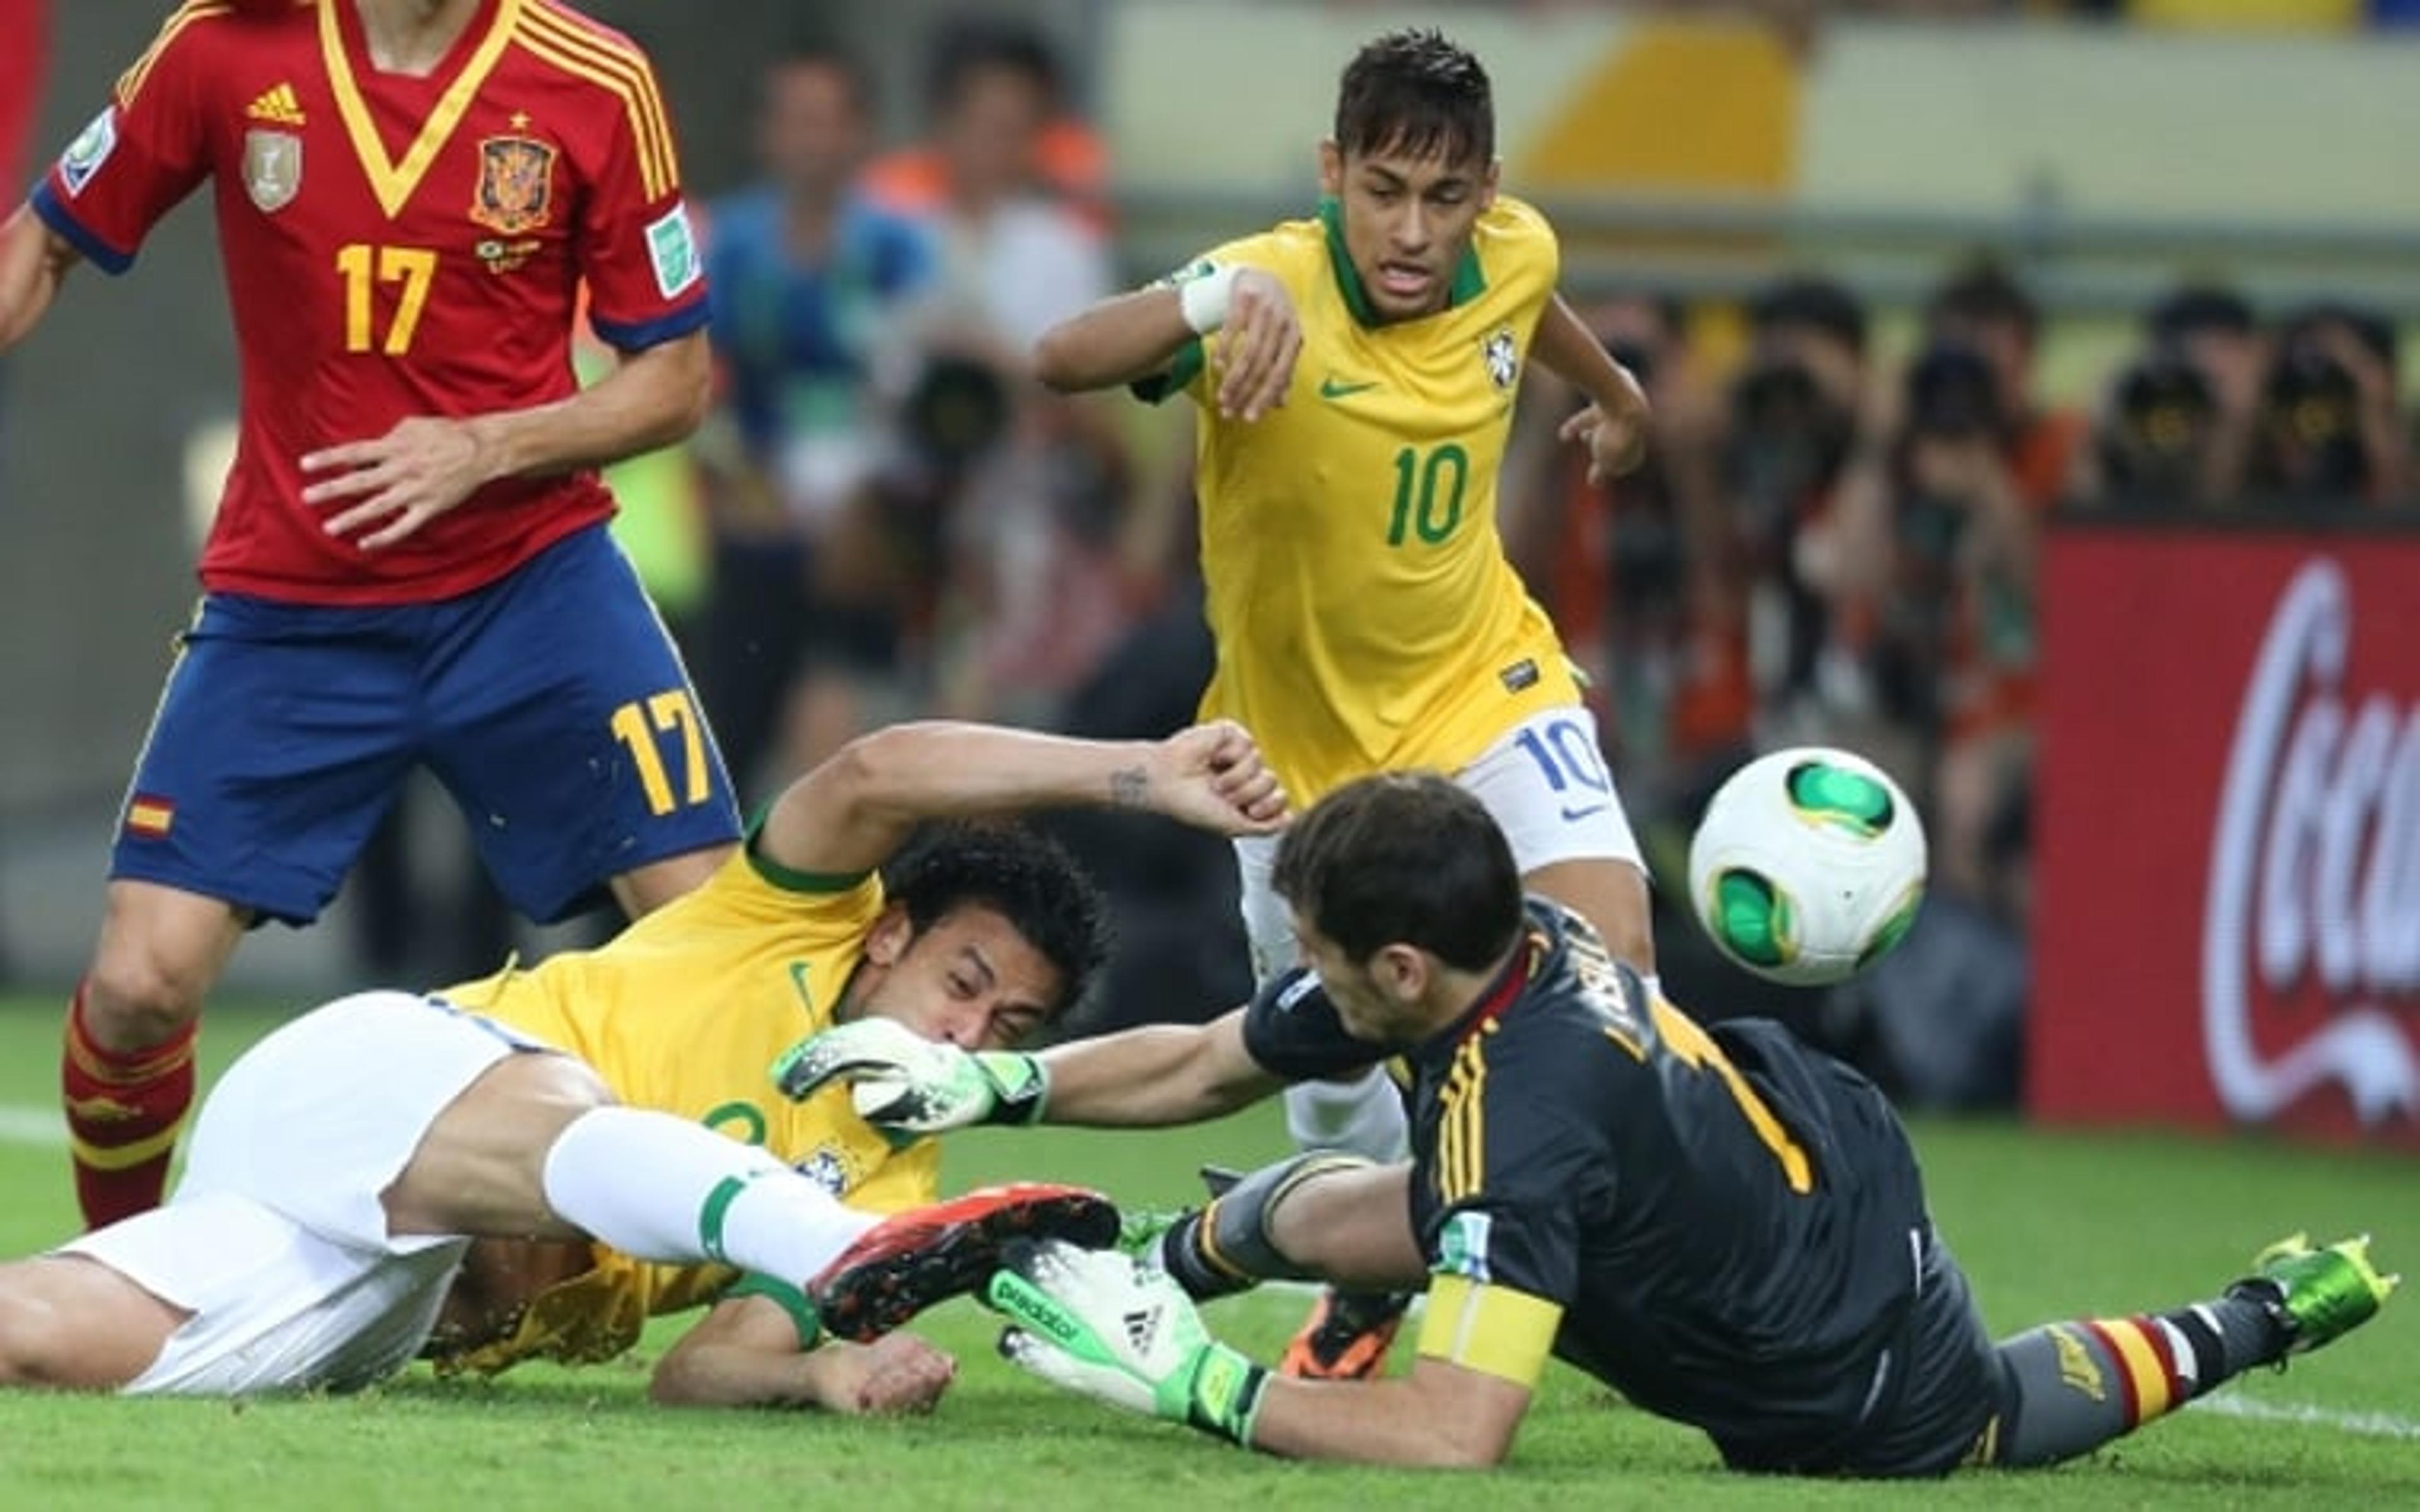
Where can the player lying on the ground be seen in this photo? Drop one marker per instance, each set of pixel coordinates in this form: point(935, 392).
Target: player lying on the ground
point(1724, 1226)
point(583, 1111)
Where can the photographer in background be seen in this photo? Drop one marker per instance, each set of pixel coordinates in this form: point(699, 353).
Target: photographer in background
point(2328, 426)
point(1802, 517)
point(2162, 441)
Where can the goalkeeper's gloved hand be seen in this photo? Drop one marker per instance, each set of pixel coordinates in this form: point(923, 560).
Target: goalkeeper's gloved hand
point(903, 1082)
point(1107, 1326)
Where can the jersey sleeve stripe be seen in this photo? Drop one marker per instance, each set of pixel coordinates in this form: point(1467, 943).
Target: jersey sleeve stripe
point(646, 333)
point(130, 84)
point(620, 69)
point(1494, 1329)
point(75, 234)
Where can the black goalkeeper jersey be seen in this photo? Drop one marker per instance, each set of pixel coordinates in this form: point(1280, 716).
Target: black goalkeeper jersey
point(1733, 1225)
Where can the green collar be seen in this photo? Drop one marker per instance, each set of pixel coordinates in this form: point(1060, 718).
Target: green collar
point(1469, 282)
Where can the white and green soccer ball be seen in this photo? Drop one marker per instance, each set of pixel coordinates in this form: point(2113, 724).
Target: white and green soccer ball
point(1808, 865)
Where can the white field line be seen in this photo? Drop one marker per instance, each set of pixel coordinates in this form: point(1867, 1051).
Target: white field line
point(2260, 1409)
point(44, 1128)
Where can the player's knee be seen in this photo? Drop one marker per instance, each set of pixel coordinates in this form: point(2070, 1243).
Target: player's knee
point(35, 1349)
point(135, 997)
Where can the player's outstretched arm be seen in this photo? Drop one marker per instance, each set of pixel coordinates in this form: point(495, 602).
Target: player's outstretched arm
point(849, 814)
point(744, 1352)
point(1121, 339)
point(1148, 1077)
point(34, 262)
point(383, 489)
point(1138, 336)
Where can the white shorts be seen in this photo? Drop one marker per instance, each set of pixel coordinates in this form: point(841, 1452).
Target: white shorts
point(276, 1240)
point(1544, 783)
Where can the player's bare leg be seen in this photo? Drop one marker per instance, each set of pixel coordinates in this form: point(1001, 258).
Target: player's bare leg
point(127, 1073)
point(1352, 1226)
point(644, 889)
point(72, 1324)
point(536, 1149)
point(1609, 894)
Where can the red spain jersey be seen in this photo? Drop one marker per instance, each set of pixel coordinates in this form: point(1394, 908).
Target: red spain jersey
point(394, 246)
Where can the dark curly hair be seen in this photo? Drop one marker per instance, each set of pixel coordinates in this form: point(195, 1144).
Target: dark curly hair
point(1026, 877)
point(1413, 91)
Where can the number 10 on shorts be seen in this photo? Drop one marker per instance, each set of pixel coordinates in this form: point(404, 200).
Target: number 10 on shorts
point(640, 724)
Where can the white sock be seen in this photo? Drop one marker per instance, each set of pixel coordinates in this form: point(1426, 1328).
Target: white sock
point(662, 1188)
point(1363, 1116)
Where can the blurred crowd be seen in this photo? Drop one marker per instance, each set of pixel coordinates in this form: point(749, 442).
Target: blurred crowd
point(1834, 538)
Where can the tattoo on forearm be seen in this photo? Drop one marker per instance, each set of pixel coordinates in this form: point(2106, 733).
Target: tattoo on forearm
point(1128, 786)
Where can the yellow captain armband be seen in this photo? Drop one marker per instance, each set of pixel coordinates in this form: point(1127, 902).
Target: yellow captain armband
point(1492, 1330)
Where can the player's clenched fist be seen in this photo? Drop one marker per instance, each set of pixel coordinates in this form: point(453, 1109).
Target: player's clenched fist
point(1213, 775)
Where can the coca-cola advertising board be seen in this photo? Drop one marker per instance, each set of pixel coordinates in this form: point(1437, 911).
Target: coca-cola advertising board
point(2227, 843)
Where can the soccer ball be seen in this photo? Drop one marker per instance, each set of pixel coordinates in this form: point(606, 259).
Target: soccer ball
point(1808, 865)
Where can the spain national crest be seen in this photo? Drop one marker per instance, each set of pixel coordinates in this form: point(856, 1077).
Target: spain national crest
point(516, 190)
point(273, 168)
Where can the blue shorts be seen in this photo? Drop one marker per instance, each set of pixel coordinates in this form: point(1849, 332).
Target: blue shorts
point(550, 704)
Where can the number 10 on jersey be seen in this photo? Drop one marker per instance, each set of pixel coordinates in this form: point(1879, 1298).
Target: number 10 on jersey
point(1428, 493)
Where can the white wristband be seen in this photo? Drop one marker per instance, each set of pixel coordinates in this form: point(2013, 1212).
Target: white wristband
point(1204, 299)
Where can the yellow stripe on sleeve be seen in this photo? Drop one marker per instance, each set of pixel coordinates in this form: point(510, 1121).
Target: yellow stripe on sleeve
point(620, 72)
point(1492, 1330)
point(130, 84)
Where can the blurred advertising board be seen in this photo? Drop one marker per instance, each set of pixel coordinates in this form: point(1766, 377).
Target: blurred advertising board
point(2226, 927)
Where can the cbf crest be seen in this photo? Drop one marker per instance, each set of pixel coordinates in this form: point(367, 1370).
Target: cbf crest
point(272, 169)
point(1502, 355)
point(516, 190)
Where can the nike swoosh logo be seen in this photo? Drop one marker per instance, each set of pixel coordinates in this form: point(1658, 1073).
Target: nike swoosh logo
point(1332, 386)
point(1571, 815)
point(799, 981)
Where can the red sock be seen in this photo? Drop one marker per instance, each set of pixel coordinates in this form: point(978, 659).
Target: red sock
point(124, 1110)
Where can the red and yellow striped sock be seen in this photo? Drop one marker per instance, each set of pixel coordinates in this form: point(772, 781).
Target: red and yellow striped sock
point(2156, 1367)
point(124, 1110)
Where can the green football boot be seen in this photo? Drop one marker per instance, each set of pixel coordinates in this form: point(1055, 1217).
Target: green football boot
point(2317, 1295)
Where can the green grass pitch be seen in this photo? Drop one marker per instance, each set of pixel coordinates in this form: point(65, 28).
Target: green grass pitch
point(2050, 1225)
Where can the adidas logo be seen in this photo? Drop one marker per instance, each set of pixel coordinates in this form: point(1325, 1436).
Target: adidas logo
point(1142, 1328)
point(278, 106)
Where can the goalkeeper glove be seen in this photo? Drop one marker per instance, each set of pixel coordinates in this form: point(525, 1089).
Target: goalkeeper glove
point(902, 1082)
point(1105, 1326)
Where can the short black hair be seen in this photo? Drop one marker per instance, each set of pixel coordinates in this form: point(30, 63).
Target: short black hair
point(1984, 292)
point(1403, 857)
point(2200, 307)
point(1023, 875)
point(969, 45)
point(813, 49)
point(1414, 91)
point(1811, 301)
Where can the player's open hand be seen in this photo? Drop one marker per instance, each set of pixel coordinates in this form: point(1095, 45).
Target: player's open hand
point(1616, 441)
point(896, 1373)
point(1213, 775)
point(1257, 345)
point(901, 1083)
point(384, 490)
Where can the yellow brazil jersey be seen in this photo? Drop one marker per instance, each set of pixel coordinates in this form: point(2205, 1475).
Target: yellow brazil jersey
point(1365, 615)
point(685, 1012)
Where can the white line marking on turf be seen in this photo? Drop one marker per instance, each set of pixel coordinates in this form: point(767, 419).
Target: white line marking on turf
point(2367, 1424)
point(44, 1128)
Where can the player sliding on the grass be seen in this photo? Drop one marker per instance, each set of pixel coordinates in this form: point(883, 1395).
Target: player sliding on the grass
point(1726, 1227)
point(584, 1113)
